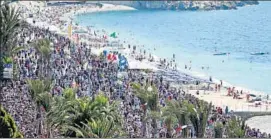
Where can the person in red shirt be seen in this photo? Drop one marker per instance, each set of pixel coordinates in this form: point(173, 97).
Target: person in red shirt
point(109, 57)
point(178, 129)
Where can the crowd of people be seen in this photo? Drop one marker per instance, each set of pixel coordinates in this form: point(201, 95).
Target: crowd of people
point(72, 65)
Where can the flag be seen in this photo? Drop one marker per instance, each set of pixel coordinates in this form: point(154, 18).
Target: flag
point(113, 35)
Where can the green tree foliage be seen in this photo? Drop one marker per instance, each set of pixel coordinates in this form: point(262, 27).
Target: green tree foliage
point(39, 91)
point(99, 128)
point(8, 128)
point(236, 128)
point(218, 130)
point(148, 96)
point(179, 110)
point(42, 46)
point(69, 113)
point(9, 23)
point(199, 117)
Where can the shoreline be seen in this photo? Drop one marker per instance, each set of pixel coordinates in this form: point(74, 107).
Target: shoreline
point(105, 8)
point(239, 106)
point(216, 99)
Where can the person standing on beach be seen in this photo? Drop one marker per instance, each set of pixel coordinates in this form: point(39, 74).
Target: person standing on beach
point(210, 79)
point(226, 110)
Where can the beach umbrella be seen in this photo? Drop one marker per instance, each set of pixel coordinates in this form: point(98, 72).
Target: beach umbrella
point(252, 95)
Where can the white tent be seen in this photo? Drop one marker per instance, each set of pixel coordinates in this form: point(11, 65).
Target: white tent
point(134, 64)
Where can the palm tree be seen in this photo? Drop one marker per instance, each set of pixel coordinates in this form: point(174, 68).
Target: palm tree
point(218, 130)
point(9, 23)
point(8, 128)
point(71, 112)
point(11, 54)
point(236, 128)
point(99, 128)
point(179, 110)
point(42, 46)
point(39, 91)
point(148, 96)
point(169, 119)
point(199, 117)
point(56, 115)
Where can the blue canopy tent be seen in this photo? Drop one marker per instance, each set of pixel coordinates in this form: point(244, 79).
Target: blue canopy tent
point(123, 63)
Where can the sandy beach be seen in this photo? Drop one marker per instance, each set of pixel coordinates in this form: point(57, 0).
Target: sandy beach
point(219, 99)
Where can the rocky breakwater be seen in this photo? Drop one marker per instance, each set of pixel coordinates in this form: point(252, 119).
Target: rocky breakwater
point(185, 5)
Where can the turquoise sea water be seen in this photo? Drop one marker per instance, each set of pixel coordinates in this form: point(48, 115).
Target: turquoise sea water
point(195, 35)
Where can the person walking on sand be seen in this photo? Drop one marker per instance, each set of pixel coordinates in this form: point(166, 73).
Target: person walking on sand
point(229, 91)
